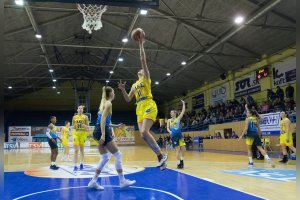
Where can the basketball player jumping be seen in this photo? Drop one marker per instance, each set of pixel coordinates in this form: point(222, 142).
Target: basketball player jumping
point(146, 109)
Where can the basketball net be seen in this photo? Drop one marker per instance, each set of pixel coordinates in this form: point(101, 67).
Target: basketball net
point(92, 16)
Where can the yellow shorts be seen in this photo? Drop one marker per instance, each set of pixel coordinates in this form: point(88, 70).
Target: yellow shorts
point(283, 139)
point(65, 142)
point(79, 138)
point(181, 142)
point(146, 109)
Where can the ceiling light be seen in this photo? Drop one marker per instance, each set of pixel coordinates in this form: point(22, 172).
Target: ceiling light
point(156, 82)
point(107, 81)
point(54, 87)
point(121, 59)
point(143, 12)
point(111, 72)
point(51, 70)
point(9, 87)
point(19, 2)
point(58, 92)
point(124, 40)
point(54, 80)
point(183, 63)
point(38, 36)
point(239, 20)
point(168, 74)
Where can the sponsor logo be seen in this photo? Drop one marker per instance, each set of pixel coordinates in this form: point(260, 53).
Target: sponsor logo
point(35, 145)
point(13, 133)
point(19, 139)
point(10, 145)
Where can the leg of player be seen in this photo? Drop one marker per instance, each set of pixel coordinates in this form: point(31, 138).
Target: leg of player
point(76, 149)
point(263, 152)
point(81, 156)
point(284, 152)
point(249, 149)
point(148, 138)
point(182, 150)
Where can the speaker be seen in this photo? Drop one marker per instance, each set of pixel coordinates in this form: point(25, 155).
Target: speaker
point(223, 76)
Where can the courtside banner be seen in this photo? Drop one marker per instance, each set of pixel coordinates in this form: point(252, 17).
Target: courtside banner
point(270, 124)
point(125, 135)
point(19, 134)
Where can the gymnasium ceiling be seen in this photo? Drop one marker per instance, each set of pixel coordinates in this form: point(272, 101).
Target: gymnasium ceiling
point(194, 31)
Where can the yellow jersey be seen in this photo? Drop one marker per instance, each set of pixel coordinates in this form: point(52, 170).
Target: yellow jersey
point(174, 123)
point(283, 125)
point(79, 120)
point(53, 129)
point(65, 133)
point(142, 89)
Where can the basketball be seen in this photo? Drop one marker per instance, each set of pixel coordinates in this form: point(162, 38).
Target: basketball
point(136, 34)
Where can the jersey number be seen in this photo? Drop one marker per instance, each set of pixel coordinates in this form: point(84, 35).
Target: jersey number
point(139, 93)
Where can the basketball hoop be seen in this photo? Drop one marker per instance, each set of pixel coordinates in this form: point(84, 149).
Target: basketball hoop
point(92, 16)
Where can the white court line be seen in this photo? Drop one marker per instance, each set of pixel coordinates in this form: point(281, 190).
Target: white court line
point(144, 188)
point(208, 180)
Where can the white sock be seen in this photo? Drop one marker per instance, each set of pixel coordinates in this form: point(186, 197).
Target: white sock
point(121, 177)
point(181, 157)
point(95, 177)
point(250, 160)
point(178, 162)
point(267, 157)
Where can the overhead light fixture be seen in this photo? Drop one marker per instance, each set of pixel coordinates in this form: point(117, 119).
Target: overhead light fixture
point(9, 87)
point(143, 12)
point(111, 72)
point(38, 36)
point(58, 92)
point(19, 2)
point(125, 40)
point(239, 20)
point(51, 70)
point(107, 81)
point(156, 82)
point(54, 80)
point(121, 59)
point(183, 63)
point(168, 74)
point(54, 87)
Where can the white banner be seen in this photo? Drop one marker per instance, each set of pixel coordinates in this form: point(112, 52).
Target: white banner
point(19, 134)
point(219, 94)
point(270, 124)
point(284, 72)
point(246, 85)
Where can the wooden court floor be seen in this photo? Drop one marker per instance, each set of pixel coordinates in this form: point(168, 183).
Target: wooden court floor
point(205, 165)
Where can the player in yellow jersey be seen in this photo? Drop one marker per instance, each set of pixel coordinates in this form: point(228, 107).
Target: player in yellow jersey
point(286, 137)
point(146, 109)
point(80, 123)
point(174, 128)
point(65, 141)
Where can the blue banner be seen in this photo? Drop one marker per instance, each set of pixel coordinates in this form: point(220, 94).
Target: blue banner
point(270, 124)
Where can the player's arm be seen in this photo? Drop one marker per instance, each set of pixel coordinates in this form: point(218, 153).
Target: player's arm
point(127, 97)
point(117, 125)
point(259, 130)
point(143, 57)
point(287, 125)
point(105, 113)
point(168, 126)
point(74, 123)
point(245, 129)
point(86, 123)
point(48, 132)
point(183, 110)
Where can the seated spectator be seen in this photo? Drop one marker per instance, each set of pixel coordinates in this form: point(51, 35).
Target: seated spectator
point(280, 93)
point(234, 135)
point(265, 107)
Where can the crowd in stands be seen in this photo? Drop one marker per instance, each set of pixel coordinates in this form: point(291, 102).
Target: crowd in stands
point(234, 109)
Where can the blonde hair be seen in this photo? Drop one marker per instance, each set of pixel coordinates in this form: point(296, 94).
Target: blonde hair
point(105, 91)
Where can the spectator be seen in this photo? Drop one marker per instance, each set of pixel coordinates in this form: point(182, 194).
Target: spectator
point(265, 107)
point(289, 92)
point(279, 93)
point(250, 101)
point(234, 135)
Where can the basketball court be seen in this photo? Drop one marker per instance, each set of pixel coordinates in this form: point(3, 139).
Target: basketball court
point(60, 54)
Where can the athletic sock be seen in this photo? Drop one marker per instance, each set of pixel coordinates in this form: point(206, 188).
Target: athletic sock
point(121, 177)
point(52, 163)
point(267, 157)
point(160, 157)
point(178, 162)
point(250, 160)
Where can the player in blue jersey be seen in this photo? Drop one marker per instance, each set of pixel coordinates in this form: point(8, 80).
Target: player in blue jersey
point(174, 128)
point(103, 134)
point(253, 131)
point(52, 141)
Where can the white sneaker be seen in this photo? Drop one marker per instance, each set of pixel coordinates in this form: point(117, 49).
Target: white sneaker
point(94, 185)
point(271, 163)
point(163, 160)
point(126, 183)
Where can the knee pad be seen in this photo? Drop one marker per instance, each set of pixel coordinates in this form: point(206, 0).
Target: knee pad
point(103, 161)
point(118, 160)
